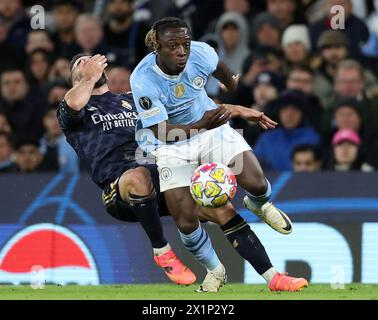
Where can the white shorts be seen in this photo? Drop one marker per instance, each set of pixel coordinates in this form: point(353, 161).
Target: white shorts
point(177, 162)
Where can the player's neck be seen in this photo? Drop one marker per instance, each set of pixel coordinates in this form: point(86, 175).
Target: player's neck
point(164, 68)
point(101, 90)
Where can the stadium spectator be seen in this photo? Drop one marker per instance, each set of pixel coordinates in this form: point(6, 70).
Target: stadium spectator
point(10, 55)
point(119, 79)
point(90, 38)
point(266, 88)
point(233, 30)
point(266, 31)
point(355, 29)
point(124, 32)
point(6, 152)
point(248, 9)
point(346, 153)
point(60, 69)
point(296, 45)
point(22, 107)
point(16, 20)
point(346, 113)
point(350, 79)
point(39, 39)
point(300, 78)
point(55, 90)
point(4, 124)
point(39, 63)
point(273, 148)
point(261, 59)
point(333, 48)
point(350, 82)
point(65, 14)
point(306, 158)
point(53, 145)
point(29, 159)
point(287, 12)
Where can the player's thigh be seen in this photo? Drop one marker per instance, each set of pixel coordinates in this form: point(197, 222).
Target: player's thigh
point(223, 145)
point(251, 176)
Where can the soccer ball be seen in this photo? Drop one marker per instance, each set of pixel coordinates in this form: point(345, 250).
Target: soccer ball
point(213, 185)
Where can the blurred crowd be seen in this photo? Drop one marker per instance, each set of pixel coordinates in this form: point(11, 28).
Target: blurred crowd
point(318, 83)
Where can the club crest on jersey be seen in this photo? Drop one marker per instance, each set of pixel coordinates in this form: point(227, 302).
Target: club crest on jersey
point(145, 103)
point(126, 105)
point(179, 90)
point(198, 82)
point(166, 174)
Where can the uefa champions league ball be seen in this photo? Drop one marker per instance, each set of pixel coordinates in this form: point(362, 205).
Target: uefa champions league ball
point(213, 185)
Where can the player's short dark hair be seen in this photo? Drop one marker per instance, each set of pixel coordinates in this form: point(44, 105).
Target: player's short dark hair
point(314, 149)
point(159, 27)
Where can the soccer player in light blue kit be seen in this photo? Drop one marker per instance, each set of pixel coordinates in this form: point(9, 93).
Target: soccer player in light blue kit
point(168, 91)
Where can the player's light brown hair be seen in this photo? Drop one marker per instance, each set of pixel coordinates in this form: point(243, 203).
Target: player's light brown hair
point(159, 27)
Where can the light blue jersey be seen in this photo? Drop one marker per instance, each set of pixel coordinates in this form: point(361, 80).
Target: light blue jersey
point(180, 99)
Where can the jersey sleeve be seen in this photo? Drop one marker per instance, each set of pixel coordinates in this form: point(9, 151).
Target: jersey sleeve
point(68, 118)
point(208, 57)
point(150, 109)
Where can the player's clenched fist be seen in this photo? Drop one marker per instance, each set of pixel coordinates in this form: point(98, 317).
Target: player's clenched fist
point(93, 67)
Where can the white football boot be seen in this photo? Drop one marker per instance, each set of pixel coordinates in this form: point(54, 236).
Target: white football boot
point(271, 215)
point(214, 280)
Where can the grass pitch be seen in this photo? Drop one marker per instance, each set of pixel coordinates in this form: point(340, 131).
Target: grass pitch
point(174, 292)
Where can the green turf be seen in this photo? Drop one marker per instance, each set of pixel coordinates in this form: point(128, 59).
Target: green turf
point(175, 292)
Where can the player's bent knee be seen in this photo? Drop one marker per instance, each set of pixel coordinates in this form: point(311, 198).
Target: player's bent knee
point(137, 180)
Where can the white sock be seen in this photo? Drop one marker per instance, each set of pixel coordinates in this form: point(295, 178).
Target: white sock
point(269, 274)
point(160, 251)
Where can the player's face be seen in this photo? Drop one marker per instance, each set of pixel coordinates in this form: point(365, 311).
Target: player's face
point(174, 50)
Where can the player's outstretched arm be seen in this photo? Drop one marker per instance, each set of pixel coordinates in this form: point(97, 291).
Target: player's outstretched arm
point(229, 82)
point(250, 115)
point(85, 76)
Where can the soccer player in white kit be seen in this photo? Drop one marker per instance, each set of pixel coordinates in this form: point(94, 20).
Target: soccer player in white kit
point(168, 91)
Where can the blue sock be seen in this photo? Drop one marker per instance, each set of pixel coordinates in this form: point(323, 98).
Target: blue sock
point(199, 244)
point(259, 201)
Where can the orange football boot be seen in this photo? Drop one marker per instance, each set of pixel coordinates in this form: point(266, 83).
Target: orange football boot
point(283, 282)
point(174, 268)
